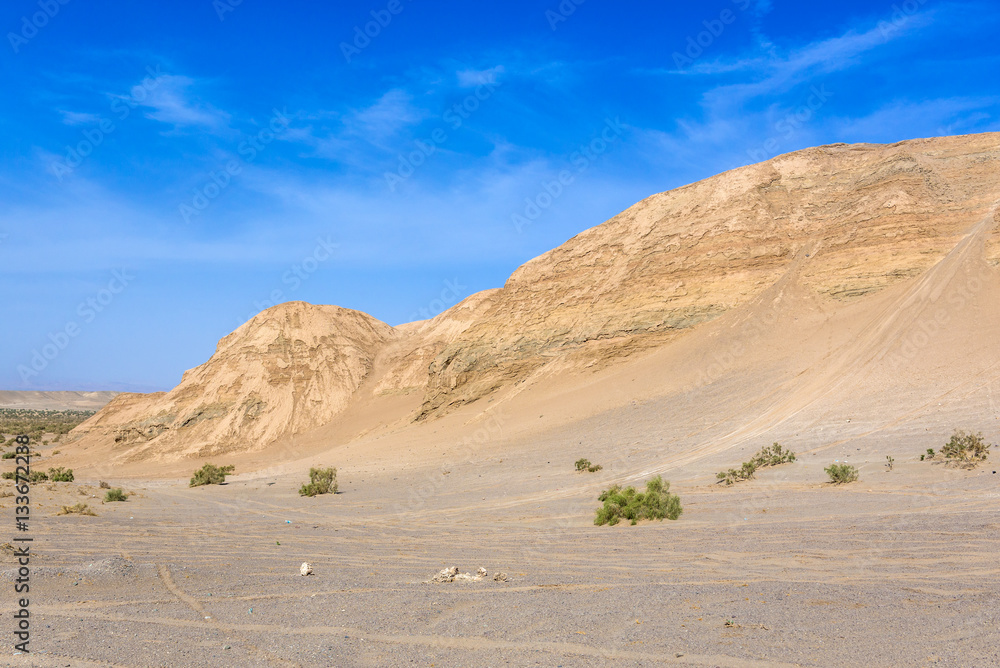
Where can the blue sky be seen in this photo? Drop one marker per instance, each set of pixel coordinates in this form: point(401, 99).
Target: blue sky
point(169, 169)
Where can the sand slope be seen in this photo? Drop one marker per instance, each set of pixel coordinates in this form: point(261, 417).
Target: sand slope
point(826, 275)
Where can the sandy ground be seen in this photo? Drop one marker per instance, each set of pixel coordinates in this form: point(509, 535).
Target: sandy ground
point(900, 568)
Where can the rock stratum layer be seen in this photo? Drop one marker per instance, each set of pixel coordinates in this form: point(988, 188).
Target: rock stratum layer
point(852, 220)
point(290, 368)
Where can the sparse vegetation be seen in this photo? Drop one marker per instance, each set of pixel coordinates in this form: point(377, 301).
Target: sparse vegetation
point(889, 461)
point(585, 465)
point(8, 475)
point(841, 473)
point(36, 423)
point(78, 509)
point(768, 456)
point(9, 455)
point(115, 494)
point(61, 475)
point(965, 450)
point(321, 481)
point(104, 485)
point(210, 474)
point(655, 503)
point(38, 476)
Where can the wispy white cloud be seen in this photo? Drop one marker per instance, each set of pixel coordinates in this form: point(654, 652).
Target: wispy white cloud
point(390, 113)
point(928, 118)
point(172, 101)
point(782, 73)
point(778, 72)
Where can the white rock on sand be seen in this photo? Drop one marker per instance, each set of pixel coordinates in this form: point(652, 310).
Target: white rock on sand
point(452, 574)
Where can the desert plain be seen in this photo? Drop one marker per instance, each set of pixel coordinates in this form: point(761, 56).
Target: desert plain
point(842, 301)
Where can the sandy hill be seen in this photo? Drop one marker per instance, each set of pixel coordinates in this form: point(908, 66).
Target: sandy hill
point(817, 278)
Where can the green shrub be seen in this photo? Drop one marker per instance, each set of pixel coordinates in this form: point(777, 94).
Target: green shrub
point(115, 494)
point(8, 475)
point(321, 481)
point(967, 450)
point(655, 503)
point(61, 475)
point(9, 455)
point(582, 464)
point(768, 456)
point(594, 468)
point(210, 474)
point(37, 476)
point(841, 473)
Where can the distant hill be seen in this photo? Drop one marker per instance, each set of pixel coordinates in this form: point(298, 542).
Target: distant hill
point(841, 273)
point(56, 401)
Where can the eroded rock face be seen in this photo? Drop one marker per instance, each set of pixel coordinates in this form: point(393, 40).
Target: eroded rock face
point(292, 367)
point(861, 217)
point(841, 221)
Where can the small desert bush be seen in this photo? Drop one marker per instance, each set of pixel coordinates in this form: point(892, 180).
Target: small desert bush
point(768, 456)
point(9, 455)
point(8, 475)
point(38, 476)
point(841, 473)
point(78, 509)
point(61, 475)
point(210, 474)
point(321, 481)
point(104, 485)
point(967, 450)
point(655, 503)
point(585, 465)
point(115, 494)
